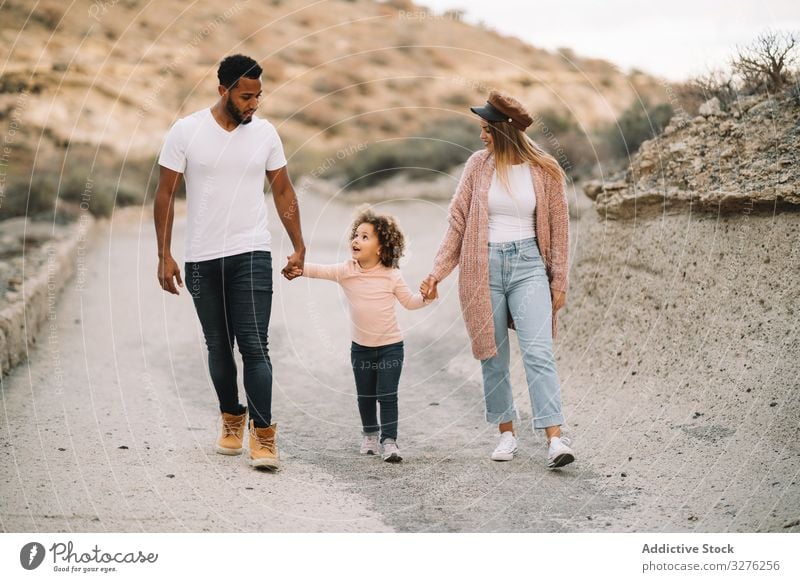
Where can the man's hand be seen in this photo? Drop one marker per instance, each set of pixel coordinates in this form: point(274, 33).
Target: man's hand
point(167, 270)
point(163, 215)
point(294, 264)
point(559, 298)
point(428, 288)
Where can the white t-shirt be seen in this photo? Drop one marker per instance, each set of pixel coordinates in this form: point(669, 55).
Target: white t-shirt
point(225, 173)
point(511, 213)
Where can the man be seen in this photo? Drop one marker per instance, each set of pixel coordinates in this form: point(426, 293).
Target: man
point(223, 153)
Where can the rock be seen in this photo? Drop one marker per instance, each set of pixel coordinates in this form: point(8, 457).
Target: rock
point(765, 107)
point(726, 127)
point(678, 122)
point(745, 103)
point(714, 164)
point(593, 188)
point(678, 147)
point(710, 107)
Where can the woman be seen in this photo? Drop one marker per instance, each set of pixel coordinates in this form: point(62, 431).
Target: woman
point(509, 235)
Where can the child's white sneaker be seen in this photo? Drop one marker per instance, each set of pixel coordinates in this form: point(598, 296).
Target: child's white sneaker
point(369, 444)
point(506, 448)
point(391, 454)
point(559, 453)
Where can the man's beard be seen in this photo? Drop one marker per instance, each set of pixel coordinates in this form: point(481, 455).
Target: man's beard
point(236, 114)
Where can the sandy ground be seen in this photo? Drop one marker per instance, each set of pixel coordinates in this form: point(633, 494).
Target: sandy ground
point(678, 359)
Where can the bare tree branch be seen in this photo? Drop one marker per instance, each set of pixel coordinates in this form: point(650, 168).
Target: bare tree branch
point(767, 61)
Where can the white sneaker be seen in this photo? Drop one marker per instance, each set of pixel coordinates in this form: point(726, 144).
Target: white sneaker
point(369, 444)
point(506, 447)
point(391, 454)
point(559, 453)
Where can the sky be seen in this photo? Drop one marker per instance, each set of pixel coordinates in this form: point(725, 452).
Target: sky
point(676, 39)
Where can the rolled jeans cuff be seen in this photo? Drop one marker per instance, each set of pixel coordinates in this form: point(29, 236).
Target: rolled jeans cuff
point(501, 417)
point(548, 421)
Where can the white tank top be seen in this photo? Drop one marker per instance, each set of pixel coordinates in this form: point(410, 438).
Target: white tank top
point(511, 213)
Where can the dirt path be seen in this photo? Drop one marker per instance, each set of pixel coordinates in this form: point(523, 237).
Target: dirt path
point(110, 426)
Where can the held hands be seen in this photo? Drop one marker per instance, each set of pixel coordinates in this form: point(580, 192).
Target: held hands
point(428, 288)
point(291, 273)
point(167, 270)
point(294, 264)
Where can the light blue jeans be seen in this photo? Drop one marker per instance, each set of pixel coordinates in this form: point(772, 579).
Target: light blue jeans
point(518, 283)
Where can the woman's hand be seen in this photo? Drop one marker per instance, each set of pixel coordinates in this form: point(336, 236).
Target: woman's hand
point(559, 298)
point(428, 288)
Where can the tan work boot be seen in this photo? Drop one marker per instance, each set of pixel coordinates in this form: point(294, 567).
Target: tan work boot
point(231, 433)
point(263, 448)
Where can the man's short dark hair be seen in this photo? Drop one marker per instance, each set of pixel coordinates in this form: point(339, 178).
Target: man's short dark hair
point(234, 67)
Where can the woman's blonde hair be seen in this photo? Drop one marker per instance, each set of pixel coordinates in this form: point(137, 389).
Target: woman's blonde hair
point(510, 144)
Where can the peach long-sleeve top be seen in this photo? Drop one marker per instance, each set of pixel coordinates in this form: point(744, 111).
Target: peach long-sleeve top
point(371, 295)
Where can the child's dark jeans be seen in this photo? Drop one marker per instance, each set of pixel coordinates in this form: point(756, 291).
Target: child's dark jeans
point(377, 373)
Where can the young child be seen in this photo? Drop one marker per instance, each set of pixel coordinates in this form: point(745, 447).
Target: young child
point(372, 282)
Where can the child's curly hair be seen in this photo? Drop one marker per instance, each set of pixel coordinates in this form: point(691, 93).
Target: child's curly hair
point(390, 237)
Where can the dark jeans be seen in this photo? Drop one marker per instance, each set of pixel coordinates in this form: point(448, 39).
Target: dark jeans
point(377, 372)
point(233, 299)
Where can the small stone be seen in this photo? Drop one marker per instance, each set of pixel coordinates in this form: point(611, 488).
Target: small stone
point(592, 188)
point(677, 147)
point(710, 107)
point(170, 476)
point(646, 164)
point(61, 449)
point(122, 447)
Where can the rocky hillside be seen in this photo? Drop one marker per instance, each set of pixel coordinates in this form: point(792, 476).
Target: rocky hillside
point(722, 160)
point(117, 73)
point(680, 343)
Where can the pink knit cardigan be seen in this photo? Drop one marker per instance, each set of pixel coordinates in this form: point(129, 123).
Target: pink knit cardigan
point(466, 244)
